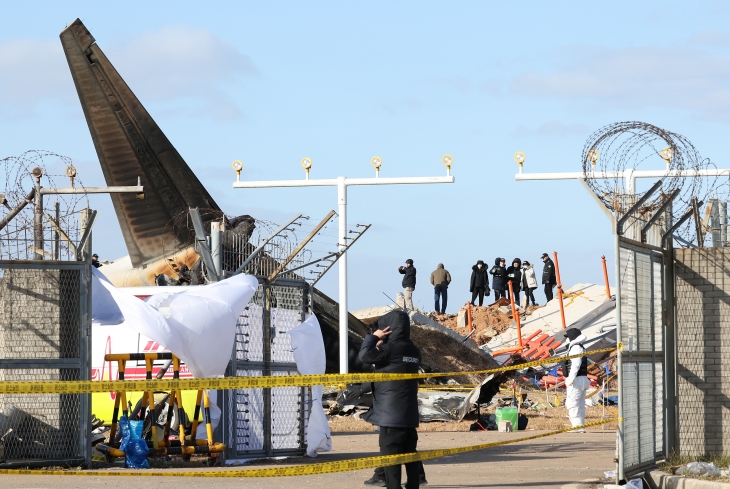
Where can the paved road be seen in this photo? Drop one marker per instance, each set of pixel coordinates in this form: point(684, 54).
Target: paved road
point(567, 461)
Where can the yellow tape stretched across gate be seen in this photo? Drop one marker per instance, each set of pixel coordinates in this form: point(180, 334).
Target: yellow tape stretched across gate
point(311, 469)
point(85, 387)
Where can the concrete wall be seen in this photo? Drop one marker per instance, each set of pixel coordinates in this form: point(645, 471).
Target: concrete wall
point(703, 344)
point(39, 322)
point(39, 314)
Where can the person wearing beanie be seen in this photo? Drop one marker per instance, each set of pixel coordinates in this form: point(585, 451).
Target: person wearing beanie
point(409, 282)
point(576, 378)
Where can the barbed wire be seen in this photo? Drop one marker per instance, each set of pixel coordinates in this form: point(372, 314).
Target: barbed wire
point(17, 238)
point(633, 145)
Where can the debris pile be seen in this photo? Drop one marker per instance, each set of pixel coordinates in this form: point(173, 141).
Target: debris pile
point(489, 321)
point(442, 353)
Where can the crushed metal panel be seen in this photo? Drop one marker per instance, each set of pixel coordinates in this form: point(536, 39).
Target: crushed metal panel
point(130, 144)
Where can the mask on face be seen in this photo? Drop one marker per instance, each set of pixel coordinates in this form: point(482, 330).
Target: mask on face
point(479, 266)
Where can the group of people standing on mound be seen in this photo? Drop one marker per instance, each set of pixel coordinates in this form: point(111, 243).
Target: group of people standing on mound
point(520, 274)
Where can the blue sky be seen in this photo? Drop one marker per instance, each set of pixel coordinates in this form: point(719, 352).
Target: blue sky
point(272, 82)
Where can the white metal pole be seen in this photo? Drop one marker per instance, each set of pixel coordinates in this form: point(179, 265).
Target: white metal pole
point(342, 242)
point(216, 236)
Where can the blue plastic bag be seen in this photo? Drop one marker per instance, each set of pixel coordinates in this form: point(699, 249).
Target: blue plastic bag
point(133, 446)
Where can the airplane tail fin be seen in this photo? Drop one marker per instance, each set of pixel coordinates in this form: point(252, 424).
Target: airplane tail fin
point(130, 144)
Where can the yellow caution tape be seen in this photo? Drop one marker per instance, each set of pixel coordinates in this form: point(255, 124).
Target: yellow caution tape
point(312, 469)
point(85, 387)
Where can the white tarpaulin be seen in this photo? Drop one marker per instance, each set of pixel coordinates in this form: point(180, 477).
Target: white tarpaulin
point(308, 347)
point(197, 324)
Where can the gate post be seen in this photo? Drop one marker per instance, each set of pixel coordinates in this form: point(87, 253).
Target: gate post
point(619, 360)
point(671, 438)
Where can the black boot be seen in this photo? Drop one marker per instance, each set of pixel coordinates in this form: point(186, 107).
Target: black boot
point(376, 481)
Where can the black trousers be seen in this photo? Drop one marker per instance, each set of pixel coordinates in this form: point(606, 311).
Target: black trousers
point(530, 296)
point(499, 294)
point(380, 472)
point(480, 292)
point(549, 292)
point(394, 441)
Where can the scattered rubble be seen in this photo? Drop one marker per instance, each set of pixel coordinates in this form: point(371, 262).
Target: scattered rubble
point(489, 321)
point(448, 344)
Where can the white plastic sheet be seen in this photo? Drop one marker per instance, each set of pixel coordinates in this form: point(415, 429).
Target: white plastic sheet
point(197, 324)
point(308, 347)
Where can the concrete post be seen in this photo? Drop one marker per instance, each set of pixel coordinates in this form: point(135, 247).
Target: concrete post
point(715, 223)
point(38, 222)
point(56, 237)
point(723, 224)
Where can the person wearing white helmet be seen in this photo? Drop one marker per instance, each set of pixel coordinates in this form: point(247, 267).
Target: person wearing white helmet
point(576, 379)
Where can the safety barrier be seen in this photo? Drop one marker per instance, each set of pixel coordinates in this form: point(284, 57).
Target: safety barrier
point(165, 446)
point(78, 387)
point(298, 380)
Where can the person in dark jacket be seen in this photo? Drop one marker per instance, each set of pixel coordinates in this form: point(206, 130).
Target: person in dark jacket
point(409, 282)
point(352, 393)
point(514, 275)
point(395, 402)
point(548, 276)
point(479, 284)
point(499, 276)
point(95, 261)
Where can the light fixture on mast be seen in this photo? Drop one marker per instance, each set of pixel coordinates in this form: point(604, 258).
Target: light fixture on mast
point(593, 158)
point(71, 173)
point(448, 160)
point(376, 162)
point(306, 164)
point(519, 157)
point(667, 154)
point(237, 165)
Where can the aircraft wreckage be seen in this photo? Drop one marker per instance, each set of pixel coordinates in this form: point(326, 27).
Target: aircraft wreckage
point(156, 230)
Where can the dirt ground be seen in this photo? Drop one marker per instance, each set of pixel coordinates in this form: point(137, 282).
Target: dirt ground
point(488, 321)
point(548, 419)
point(566, 461)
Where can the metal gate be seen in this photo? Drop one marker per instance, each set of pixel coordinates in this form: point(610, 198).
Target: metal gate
point(641, 374)
point(267, 422)
point(45, 333)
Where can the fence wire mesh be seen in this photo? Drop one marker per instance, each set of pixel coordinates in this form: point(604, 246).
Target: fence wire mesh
point(43, 335)
point(268, 421)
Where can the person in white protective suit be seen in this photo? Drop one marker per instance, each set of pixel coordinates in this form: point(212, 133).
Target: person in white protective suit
point(576, 380)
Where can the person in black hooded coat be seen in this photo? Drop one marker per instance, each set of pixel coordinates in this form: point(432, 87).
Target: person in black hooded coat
point(395, 402)
point(479, 283)
point(499, 279)
point(514, 275)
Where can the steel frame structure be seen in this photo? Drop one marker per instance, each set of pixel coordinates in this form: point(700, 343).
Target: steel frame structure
point(342, 183)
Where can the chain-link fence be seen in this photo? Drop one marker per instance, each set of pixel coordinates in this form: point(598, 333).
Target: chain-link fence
point(267, 421)
point(45, 332)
